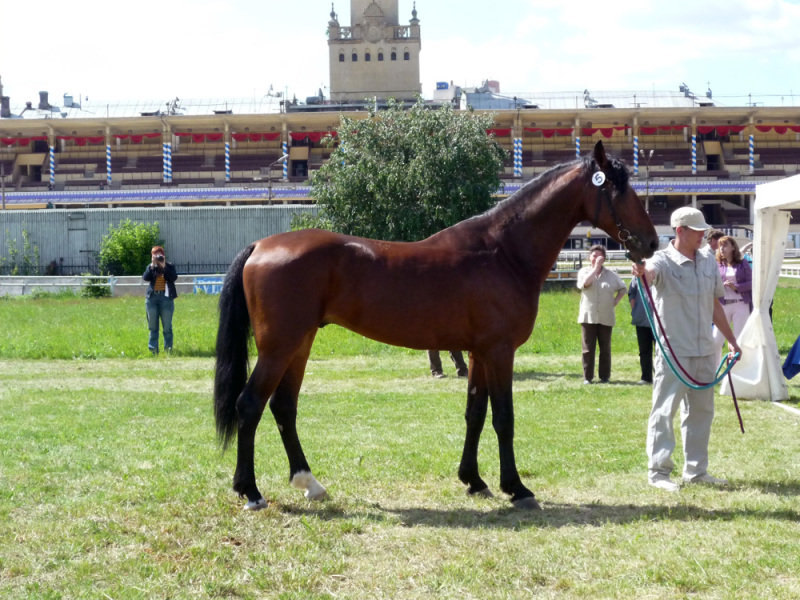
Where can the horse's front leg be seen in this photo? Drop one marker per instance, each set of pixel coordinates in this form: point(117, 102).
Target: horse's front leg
point(475, 416)
point(500, 374)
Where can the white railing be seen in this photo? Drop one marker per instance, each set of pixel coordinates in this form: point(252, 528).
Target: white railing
point(133, 285)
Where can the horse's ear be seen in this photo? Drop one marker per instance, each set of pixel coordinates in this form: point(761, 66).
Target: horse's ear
point(600, 154)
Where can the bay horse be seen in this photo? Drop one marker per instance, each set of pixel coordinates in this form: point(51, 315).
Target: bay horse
point(473, 286)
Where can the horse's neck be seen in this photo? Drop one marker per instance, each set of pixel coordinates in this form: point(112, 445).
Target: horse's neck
point(539, 222)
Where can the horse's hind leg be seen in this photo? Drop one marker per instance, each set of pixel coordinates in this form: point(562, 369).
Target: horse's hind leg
point(249, 407)
point(475, 416)
point(283, 405)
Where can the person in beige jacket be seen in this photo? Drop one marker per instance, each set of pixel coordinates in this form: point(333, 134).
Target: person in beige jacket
point(601, 290)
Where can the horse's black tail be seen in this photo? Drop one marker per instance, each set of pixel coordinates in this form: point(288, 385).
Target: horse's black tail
point(233, 336)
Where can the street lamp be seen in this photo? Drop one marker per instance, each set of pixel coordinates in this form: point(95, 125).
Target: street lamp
point(269, 172)
point(646, 155)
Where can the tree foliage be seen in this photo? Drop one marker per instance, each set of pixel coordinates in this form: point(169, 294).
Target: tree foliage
point(125, 249)
point(406, 174)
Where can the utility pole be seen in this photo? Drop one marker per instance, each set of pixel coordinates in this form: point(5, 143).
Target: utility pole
point(3, 183)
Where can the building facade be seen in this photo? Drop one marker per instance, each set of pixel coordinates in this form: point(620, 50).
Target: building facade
point(375, 56)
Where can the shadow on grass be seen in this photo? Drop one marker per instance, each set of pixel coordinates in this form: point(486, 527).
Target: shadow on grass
point(528, 375)
point(570, 515)
point(552, 515)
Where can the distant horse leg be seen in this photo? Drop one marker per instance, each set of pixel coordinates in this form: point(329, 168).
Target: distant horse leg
point(283, 405)
point(500, 380)
point(475, 416)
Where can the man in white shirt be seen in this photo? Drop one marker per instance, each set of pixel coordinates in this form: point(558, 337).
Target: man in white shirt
point(686, 289)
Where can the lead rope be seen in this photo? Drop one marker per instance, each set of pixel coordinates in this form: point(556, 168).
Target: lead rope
point(725, 365)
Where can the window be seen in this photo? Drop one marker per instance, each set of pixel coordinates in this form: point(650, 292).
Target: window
point(355, 57)
point(341, 57)
point(380, 56)
point(406, 55)
point(367, 57)
point(394, 55)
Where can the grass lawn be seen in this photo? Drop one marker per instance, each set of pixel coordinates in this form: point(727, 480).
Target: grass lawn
point(112, 484)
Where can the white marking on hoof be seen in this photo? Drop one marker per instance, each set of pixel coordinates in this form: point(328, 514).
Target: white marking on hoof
point(304, 480)
point(255, 504)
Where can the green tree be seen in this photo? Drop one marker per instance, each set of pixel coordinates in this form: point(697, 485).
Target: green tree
point(125, 249)
point(406, 174)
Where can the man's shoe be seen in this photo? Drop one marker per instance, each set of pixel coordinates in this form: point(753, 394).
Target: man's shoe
point(706, 478)
point(663, 482)
point(587, 382)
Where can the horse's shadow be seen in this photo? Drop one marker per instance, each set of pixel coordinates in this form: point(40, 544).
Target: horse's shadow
point(528, 374)
point(555, 515)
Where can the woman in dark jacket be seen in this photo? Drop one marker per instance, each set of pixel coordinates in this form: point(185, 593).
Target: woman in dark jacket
point(160, 298)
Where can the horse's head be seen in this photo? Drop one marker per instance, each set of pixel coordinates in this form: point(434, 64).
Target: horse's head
point(613, 206)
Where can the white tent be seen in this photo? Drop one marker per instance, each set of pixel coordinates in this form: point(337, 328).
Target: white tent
point(758, 374)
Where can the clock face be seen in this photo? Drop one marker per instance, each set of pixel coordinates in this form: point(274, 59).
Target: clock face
point(373, 33)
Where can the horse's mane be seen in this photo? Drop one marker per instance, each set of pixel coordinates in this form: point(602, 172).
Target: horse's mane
point(619, 176)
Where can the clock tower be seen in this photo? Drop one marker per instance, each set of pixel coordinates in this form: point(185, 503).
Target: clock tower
point(375, 56)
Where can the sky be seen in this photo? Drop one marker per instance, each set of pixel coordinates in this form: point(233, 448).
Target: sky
point(746, 51)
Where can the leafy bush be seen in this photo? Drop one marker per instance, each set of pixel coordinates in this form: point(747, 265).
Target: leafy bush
point(94, 288)
point(125, 249)
point(20, 262)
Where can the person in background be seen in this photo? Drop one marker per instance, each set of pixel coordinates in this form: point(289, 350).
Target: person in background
point(436, 363)
point(737, 277)
point(644, 333)
point(601, 290)
point(160, 298)
point(747, 253)
point(686, 287)
point(712, 237)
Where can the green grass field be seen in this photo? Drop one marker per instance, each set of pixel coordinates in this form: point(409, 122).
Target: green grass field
point(112, 484)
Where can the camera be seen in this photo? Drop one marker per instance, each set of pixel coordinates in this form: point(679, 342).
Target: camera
point(160, 259)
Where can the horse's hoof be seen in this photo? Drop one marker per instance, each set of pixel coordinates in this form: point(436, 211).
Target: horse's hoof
point(304, 480)
point(528, 503)
point(255, 504)
point(317, 496)
point(485, 493)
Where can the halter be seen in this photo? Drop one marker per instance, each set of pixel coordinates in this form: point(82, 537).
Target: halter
point(603, 185)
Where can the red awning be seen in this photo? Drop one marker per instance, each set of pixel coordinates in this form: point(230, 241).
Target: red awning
point(313, 136)
point(80, 140)
point(779, 129)
point(721, 129)
point(548, 133)
point(23, 141)
point(256, 137)
point(136, 138)
point(606, 132)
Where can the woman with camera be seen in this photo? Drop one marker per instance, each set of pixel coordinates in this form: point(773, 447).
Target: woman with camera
point(159, 300)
